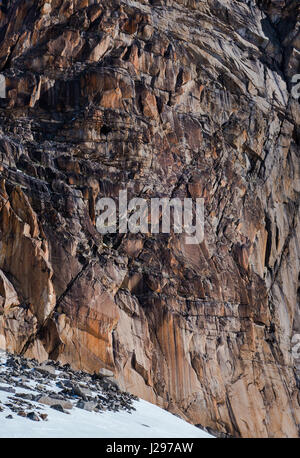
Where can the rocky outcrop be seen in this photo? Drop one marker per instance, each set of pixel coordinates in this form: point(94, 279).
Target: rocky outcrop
point(180, 99)
point(56, 386)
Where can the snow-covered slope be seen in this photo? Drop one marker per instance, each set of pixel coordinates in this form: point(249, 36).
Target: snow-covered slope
point(147, 421)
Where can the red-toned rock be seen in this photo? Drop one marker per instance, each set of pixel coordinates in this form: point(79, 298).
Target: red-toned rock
point(189, 99)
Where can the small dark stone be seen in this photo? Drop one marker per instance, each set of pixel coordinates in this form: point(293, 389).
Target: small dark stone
point(90, 406)
point(28, 396)
point(33, 416)
point(58, 407)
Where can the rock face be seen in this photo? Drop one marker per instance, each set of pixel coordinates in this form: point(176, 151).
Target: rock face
point(168, 98)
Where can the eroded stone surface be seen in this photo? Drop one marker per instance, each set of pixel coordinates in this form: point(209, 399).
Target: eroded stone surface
point(177, 98)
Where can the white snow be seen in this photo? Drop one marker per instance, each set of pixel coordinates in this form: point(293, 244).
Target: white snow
point(148, 421)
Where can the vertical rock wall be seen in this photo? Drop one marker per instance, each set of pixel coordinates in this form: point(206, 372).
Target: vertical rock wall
point(168, 99)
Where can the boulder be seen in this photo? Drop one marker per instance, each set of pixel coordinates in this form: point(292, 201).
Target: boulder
point(105, 372)
point(47, 400)
point(90, 406)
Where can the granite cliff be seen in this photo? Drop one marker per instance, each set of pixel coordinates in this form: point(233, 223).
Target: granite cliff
point(180, 98)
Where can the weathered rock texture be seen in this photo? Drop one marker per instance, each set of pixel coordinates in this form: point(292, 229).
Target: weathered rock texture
point(167, 98)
